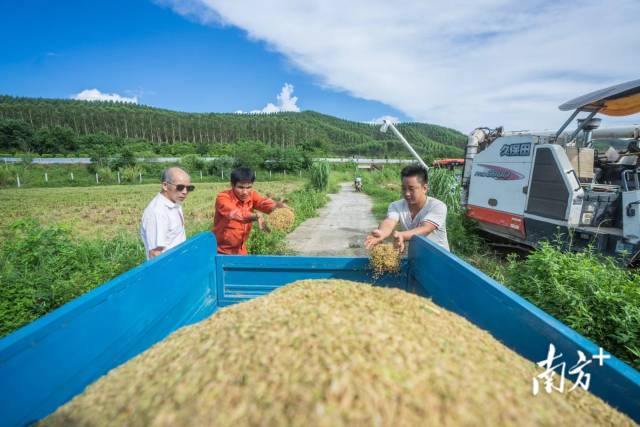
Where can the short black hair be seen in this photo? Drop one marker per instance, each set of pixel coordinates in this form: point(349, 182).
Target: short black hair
point(417, 171)
point(242, 174)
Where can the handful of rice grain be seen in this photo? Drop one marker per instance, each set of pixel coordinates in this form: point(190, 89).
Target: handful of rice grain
point(281, 219)
point(384, 258)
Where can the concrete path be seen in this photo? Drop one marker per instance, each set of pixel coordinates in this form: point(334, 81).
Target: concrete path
point(340, 227)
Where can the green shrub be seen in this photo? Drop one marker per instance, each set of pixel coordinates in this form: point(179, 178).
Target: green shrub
point(43, 267)
point(125, 159)
point(443, 185)
point(104, 173)
point(130, 174)
point(590, 293)
point(290, 159)
point(250, 153)
point(7, 175)
point(147, 155)
point(305, 204)
point(222, 163)
point(272, 243)
point(320, 176)
point(192, 163)
point(26, 160)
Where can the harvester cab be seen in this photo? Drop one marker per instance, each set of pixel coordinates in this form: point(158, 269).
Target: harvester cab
point(584, 185)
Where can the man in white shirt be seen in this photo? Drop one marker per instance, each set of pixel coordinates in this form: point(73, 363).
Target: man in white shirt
point(162, 224)
point(417, 214)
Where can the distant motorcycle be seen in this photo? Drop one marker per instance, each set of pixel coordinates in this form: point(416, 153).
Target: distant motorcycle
point(358, 186)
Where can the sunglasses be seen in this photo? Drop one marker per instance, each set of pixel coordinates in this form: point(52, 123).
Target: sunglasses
point(181, 187)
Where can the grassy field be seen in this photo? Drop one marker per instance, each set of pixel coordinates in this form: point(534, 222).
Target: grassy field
point(106, 211)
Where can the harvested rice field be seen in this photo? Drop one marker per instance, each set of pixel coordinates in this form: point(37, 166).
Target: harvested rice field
point(107, 210)
point(330, 353)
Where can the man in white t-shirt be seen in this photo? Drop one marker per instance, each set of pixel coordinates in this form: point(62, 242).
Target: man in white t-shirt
point(417, 214)
point(162, 225)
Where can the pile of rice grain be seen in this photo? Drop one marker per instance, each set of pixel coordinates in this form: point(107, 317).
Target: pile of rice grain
point(384, 258)
point(281, 219)
point(330, 353)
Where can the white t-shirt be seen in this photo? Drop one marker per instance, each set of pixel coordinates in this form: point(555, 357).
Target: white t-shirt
point(162, 224)
point(433, 211)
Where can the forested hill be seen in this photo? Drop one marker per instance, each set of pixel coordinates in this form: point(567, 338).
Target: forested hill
point(67, 126)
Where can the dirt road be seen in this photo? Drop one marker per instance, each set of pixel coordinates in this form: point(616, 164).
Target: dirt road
point(339, 229)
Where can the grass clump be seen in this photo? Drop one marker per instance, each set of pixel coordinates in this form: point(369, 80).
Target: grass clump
point(43, 267)
point(589, 293)
point(444, 186)
point(320, 176)
point(305, 204)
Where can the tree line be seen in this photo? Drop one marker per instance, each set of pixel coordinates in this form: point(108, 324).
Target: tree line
point(69, 126)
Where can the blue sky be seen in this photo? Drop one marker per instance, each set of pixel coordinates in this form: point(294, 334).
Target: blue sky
point(141, 49)
point(460, 63)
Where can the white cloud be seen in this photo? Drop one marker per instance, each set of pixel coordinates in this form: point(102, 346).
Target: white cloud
point(194, 10)
point(286, 102)
point(461, 63)
point(96, 95)
point(380, 120)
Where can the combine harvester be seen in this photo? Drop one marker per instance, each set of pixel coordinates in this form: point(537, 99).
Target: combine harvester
point(48, 362)
point(531, 186)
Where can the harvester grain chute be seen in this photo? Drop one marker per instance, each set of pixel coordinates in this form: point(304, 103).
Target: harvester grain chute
point(388, 124)
point(526, 187)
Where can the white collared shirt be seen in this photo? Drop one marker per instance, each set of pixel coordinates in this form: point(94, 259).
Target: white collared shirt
point(434, 211)
point(162, 224)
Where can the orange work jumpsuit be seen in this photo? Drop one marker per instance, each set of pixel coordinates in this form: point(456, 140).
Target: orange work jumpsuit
point(231, 224)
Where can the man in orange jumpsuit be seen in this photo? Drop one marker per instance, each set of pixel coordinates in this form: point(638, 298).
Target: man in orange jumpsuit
point(235, 212)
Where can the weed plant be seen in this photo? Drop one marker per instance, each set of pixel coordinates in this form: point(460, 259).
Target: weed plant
point(590, 293)
point(320, 176)
point(305, 203)
point(43, 267)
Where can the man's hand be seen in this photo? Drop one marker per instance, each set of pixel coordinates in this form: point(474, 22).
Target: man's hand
point(262, 225)
point(282, 204)
point(398, 240)
point(373, 239)
point(155, 251)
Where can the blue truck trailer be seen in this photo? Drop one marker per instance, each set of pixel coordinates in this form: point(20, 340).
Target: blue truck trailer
point(46, 363)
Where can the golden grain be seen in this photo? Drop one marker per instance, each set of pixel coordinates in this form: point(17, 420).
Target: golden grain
point(384, 258)
point(330, 353)
point(281, 219)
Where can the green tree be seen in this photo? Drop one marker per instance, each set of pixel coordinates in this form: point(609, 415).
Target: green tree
point(15, 135)
point(125, 159)
point(250, 153)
